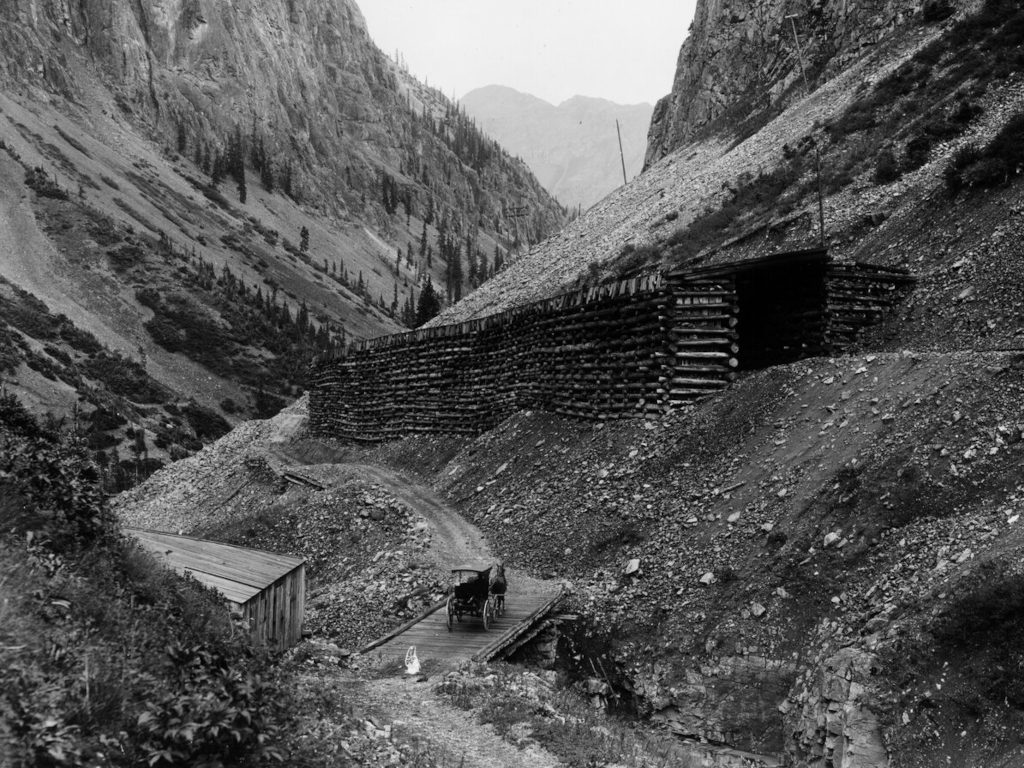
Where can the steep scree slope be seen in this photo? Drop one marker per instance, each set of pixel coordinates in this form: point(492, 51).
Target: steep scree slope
point(828, 553)
point(918, 99)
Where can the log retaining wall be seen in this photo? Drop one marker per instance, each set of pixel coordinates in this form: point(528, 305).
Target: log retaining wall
point(637, 347)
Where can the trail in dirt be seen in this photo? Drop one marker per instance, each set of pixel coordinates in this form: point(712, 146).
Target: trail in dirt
point(457, 739)
point(454, 539)
point(409, 704)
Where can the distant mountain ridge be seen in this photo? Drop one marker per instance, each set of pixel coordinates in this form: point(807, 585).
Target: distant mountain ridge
point(571, 148)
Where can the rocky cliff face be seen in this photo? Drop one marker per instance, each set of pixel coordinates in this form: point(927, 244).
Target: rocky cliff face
point(740, 59)
point(304, 77)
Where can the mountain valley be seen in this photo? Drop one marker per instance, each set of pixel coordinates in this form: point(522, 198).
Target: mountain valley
point(817, 566)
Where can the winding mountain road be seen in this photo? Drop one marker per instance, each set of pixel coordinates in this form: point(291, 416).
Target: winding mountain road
point(454, 541)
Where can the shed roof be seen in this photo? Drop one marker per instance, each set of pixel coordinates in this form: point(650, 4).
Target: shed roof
point(236, 572)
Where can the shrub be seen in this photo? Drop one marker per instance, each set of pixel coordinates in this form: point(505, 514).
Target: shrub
point(961, 159)
point(1003, 157)
point(214, 195)
point(633, 259)
point(80, 340)
point(125, 377)
point(987, 172)
point(917, 152)
point(965, 111)
point(886, 168)
point(56, 477)
point(213, 714)
point(15, 418)
point(127, 256)
point(36, 179)
point(205, 423)
point(936, 10)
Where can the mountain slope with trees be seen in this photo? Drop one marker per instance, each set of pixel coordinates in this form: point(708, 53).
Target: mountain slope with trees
point(220, 193)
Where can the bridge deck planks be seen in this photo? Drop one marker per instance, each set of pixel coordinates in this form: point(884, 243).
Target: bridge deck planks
point(433, 640)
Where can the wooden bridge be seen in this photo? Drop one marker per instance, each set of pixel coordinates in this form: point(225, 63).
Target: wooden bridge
point(526, 610)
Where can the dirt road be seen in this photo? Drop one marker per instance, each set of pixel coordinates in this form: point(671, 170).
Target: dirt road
point(408, 702)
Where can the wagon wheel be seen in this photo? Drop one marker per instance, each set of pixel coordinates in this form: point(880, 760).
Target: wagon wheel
point(450, 610)
point(488, 613)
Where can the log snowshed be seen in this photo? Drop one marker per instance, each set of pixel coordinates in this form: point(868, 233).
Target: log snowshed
point(636, 347)
point(269, 590)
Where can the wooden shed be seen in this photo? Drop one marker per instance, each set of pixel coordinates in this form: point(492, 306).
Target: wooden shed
point(268, 589)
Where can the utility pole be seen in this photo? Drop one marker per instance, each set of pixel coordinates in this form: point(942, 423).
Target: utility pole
point(817, 149)
point(516, 213)
point(622, 157)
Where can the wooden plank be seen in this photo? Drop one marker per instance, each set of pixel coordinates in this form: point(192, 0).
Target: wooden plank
point(430, 635)
point(246, 566)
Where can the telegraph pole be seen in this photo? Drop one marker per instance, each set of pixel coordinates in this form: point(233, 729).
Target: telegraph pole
point(622, 157)
point(516, 213)
point(817, 150)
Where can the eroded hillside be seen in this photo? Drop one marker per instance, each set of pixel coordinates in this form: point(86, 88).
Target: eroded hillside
point(827, 553)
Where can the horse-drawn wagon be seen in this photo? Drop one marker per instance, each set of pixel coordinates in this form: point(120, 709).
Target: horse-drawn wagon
point(470, 595)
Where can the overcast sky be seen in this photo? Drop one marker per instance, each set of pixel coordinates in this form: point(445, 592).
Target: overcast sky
point(621, 50)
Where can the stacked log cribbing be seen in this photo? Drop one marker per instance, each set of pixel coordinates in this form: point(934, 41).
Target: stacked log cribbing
point(634, 348)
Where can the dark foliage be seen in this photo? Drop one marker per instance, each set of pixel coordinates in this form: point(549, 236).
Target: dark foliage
point(936, 10)
point(917, 151)
point(886, 168)
point(125, 377)
point(109, 658)
point(429, 305)
point(991, 165)
point(37, 180)
point(978, 622)
point(207, 424)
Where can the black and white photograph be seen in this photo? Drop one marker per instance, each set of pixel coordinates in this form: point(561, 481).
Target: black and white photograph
point(490, 384)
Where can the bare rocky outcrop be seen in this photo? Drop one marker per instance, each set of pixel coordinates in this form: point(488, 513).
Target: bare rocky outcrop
point(834, 713)
point(741, 59)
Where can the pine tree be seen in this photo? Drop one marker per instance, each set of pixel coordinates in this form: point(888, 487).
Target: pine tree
point(303, 240)
point(286, 178)
point(471, 266)
point(428, 306)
